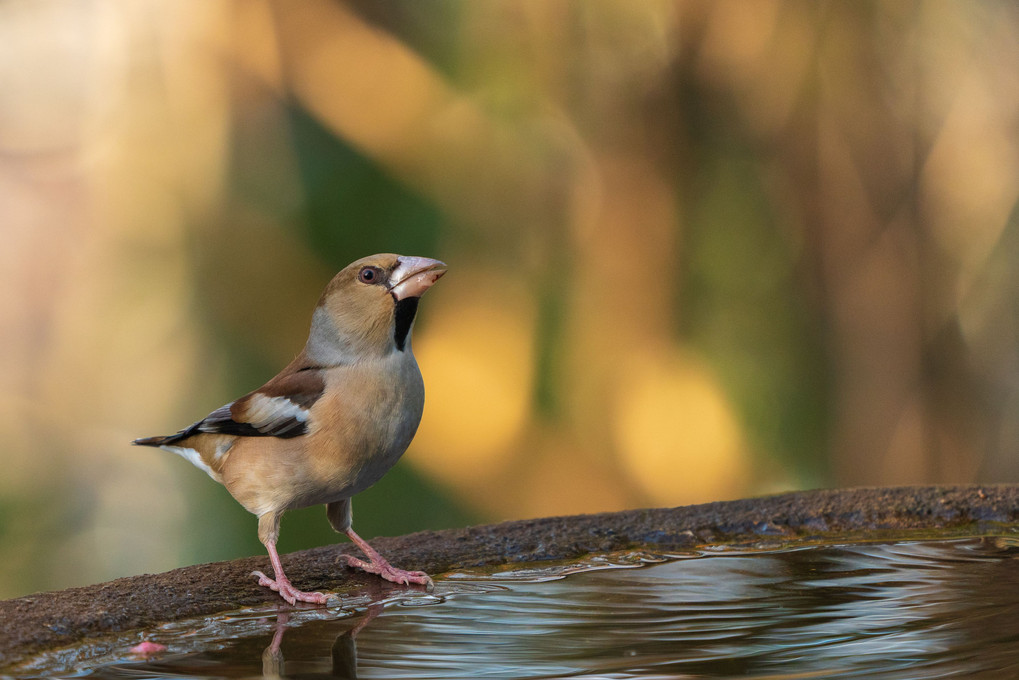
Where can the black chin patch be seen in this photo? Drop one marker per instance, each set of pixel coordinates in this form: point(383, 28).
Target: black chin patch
point(405, 311)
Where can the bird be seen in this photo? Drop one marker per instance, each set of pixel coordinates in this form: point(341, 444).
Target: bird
point(332, 422)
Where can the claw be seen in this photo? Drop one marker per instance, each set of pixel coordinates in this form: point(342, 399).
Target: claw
point(389, 572)
point(288, 592)
point(377, 564)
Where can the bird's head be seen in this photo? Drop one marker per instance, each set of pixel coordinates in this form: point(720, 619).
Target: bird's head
point(368, 308)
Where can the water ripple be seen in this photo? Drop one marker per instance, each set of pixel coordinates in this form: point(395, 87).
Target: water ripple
point(894, 610)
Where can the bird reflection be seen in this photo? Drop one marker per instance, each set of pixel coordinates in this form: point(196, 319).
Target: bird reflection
point(343, 652)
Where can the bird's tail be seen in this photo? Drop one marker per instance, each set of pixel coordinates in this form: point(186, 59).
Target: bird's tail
point(150, 441)
point(170, 438)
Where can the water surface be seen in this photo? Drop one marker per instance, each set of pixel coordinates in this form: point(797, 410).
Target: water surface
point(933, 609)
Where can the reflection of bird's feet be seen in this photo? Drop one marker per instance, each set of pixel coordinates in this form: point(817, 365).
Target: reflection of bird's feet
point(288, 592)
point(387, 571)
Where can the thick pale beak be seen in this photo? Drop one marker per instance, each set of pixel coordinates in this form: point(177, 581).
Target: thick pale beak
point(414, 275)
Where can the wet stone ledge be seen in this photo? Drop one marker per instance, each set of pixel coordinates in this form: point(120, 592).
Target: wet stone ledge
point(42, 621)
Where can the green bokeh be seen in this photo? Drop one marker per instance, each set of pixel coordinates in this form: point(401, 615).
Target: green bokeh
point(353, 207)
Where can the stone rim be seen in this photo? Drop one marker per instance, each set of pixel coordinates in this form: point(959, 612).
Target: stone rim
point(42, 621)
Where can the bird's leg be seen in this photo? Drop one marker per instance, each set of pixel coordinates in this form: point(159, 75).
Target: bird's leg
point(282, 584)
point(377, 564)
point(272, 658)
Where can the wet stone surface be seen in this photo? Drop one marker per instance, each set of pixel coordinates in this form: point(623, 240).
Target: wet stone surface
point(50, 620)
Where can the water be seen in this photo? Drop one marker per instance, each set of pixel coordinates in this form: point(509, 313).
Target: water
point(935, 609)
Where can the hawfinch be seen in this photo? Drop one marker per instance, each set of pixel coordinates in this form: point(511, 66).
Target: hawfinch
point(332, 422)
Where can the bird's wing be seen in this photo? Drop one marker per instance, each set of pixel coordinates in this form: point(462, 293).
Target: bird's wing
point(277, 409)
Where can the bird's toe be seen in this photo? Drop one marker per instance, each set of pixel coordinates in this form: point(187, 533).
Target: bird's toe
point(288, 592)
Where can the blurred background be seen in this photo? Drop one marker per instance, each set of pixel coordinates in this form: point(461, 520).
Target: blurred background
point(698, 250)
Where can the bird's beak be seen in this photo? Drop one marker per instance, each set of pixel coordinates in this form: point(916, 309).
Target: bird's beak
point(414, 275)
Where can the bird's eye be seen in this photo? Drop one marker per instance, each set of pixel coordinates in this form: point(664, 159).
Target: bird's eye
point(369, 275)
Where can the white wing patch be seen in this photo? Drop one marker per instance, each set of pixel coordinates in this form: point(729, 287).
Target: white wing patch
point(274, 414)
point(261, 414)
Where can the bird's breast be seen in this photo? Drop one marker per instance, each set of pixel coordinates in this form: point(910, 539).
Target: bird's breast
point(357, 430)
point(367, 421)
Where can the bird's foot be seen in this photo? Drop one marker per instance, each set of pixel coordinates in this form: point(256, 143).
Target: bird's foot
point(288, 592)
point(387, 571)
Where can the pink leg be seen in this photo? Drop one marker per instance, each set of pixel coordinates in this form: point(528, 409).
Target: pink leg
point(282, 584)
point(378, 565)
point(273, 650)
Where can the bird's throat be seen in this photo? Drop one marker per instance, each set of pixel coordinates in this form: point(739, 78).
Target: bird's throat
point(406, 309)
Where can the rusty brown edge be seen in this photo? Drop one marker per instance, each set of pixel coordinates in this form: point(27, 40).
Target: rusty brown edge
point(43, 621)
